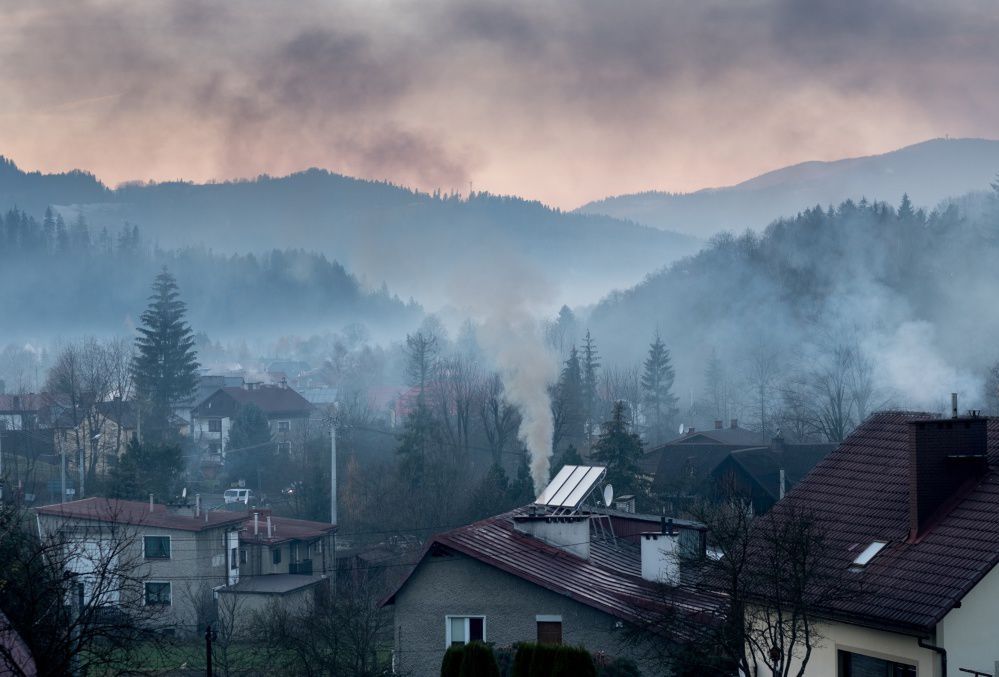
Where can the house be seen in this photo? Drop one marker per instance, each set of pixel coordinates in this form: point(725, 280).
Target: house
point(286, 410)
point(532, 575)
point(176, 558)
point(283, 560)
point(704, 464)
point(909, 503)
point(207, 385)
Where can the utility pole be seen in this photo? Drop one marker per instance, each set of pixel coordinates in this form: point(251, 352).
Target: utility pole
point(62, 498)
point(209, 636)
point(333, 472)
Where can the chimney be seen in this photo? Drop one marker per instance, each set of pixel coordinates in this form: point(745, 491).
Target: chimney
point(256, 523)
point(718, 424)
point(783, 483)
point(270, 528)
point(150, 502)
point(570, 533)
point(946, 457)
point(735, 423)
point(197, 505)
point(660, 554)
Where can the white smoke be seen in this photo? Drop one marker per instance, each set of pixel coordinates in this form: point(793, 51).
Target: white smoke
point(506, 297)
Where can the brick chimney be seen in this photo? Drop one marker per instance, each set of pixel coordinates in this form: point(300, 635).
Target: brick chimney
point(947, 456)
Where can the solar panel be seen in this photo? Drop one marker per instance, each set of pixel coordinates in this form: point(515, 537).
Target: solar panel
point(570, 487)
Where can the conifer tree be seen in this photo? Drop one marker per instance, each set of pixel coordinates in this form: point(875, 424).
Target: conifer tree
point(567, 404)
point(589, 364)
point(165, 368)
point(252, 451)
point(658, 401)
point(620, 450)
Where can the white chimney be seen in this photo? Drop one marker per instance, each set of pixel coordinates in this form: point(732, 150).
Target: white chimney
point(197, 505)
point(269, 527)
point(571, 533)
point(256, 523)
point(150, 502)
point(661, 555)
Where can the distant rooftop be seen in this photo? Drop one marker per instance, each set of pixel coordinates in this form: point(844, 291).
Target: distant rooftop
point(138, 513)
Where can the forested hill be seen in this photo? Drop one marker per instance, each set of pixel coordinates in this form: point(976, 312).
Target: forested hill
point(928, 172)
point(66, 279)
point(418, 243)
point(915, 293)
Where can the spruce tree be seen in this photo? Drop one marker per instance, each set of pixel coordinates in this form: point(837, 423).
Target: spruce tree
point(589, 364)
point(567, 405)
point(253, 455)
point(659, 403)
point(165, 368)
point(620, 450)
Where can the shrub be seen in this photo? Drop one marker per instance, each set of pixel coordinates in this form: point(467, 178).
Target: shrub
point(453, 658)
point(479, 661)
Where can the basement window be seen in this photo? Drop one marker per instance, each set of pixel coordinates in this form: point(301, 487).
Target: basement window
point(865, 557)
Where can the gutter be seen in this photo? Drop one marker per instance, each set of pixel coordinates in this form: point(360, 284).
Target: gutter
point(938, 649)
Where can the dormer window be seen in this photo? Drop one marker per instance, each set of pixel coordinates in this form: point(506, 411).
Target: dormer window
point(868, 553)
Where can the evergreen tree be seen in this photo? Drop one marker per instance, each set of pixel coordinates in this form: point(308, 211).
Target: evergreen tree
point(569, 456)
point(658, 401)
point(147, 468)
point(567, 404)
point(49, 230)
point(415, 444)
point(905, 210)
point(250, 452)
point(589, 364)
point(521, 489)
point(620, 450)
point(62, 235)
point(165, 368)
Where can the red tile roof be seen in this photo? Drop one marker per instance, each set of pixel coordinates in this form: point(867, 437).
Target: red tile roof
point(860, 493)
point(283, 529)
point(609, 580)
point(137, 513)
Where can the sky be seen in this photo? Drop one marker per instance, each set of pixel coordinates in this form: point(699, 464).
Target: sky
point(558, 101)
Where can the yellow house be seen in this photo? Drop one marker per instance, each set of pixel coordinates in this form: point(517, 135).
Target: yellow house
point(910, 508)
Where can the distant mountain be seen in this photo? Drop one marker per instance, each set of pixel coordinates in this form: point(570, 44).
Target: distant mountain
point(929, 172)
point(423, 245)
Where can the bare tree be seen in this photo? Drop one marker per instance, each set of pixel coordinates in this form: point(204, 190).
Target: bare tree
point(622, 384)
point(762, 376)
point(454, 396)
point(500, 419)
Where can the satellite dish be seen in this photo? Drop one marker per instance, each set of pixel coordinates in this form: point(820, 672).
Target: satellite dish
point(608, 495)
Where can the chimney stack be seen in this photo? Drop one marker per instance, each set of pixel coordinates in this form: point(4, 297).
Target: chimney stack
point(718, 424)
point(946, 457)
point(660, 554)
point(197, 505)
point(569, 533)
point(150, 502)
point(256, 523)
point(270, 529)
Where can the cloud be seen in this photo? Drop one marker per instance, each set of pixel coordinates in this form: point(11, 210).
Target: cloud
point(564, 101)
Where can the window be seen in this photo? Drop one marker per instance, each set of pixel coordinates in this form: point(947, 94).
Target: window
point(276, 555)
point(858, 665)
point(465, 629)
point(242, 556)
point(214, 425)
point(157, 594)
point(284, 447)
point(157, 547)
point(234, 559)
point(284, 426)
point(549, 629)
point(865, 557)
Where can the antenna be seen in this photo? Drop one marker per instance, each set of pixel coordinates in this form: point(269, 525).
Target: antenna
point(608, 494)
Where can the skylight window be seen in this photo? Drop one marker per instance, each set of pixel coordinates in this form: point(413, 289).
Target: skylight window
point(865, 557)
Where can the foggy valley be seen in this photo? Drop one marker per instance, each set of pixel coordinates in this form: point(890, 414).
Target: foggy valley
point(499, 339)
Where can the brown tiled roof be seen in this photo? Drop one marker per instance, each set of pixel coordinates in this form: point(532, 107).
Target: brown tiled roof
point(137, 513)
point(283, 529)
point(273, 400)
point(860, 493)
point(609, 580)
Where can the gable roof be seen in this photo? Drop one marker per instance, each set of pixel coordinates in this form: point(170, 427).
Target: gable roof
point(763, 464)
point(687, 465)
point(610, 580)
point(860, 494)
point(735, 436)
point(283, 529)
point(273, 400)
point(137, 513)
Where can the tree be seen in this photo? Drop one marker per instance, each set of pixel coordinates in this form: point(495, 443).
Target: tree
point(658, 401)
point(716, 388)
point(147, 468)
point(589, 364)
point(421, 359)
point(620, 450)
point(165, 368)
point(905, 210)
point(568, 456)
point(500, 419)
point(567, 404)
point(250, 452)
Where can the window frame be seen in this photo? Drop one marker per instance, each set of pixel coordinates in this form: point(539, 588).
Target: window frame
point(467, 617)
point(169, 550)
point(843, 667)
point(284, 447)
point(284, 426)
point(214, 423)
point(145, 593)
point(276, 555)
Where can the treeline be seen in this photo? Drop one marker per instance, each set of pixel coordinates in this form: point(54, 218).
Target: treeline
point(823, 317)
point(61, 276)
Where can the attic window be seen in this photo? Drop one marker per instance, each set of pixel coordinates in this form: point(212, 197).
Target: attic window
point(865, 557)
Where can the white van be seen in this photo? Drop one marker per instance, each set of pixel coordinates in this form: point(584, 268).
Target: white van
point(238, 496)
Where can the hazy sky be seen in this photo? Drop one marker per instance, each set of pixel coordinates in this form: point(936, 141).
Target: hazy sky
point(560, 101)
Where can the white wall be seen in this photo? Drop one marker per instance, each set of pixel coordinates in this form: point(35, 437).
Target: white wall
point(971, 633)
